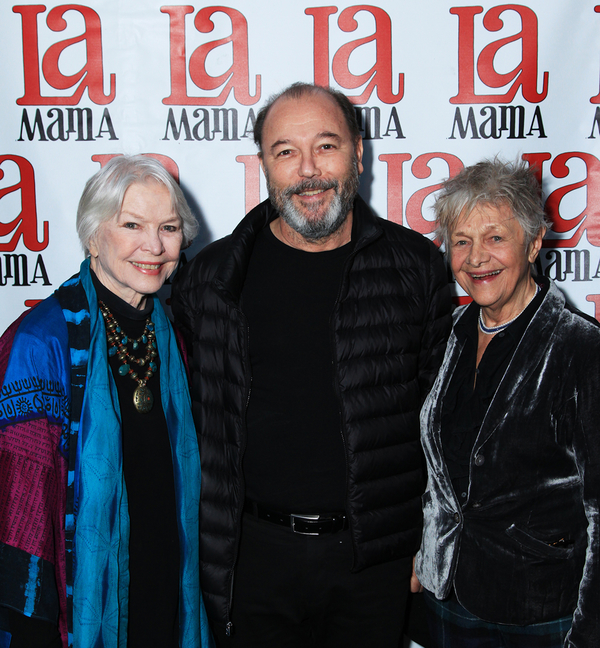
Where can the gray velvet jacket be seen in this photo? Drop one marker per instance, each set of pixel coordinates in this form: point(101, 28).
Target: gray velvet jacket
point(524, 548)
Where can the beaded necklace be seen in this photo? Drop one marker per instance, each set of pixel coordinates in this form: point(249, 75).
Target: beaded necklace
point(117, 345)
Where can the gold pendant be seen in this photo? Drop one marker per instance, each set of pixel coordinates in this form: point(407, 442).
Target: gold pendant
point(143, 399)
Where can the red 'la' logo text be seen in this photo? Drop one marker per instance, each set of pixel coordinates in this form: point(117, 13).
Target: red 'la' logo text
point(236, 78)
point(379, 76)
point(25, 224)
point(524, 75)
point(588, 219)
point(91, 74)
point(420, 168)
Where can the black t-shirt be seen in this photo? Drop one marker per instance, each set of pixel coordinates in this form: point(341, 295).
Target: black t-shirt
point(294, 459)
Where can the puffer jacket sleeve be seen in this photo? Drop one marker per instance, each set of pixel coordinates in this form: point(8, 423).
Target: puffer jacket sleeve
point(438, 322)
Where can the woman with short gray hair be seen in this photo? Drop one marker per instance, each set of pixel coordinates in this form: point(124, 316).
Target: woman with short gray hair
point(510, 434)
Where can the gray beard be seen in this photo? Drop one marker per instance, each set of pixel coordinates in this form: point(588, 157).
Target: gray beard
point(316, 229)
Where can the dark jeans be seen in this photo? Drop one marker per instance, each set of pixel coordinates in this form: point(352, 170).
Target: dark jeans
point(294, 591)
point(451, 626)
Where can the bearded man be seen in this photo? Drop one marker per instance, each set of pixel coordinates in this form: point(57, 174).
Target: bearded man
point(315, 331)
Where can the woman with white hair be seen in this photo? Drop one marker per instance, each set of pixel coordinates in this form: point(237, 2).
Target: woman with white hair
point(509, 555)
point(99, 463)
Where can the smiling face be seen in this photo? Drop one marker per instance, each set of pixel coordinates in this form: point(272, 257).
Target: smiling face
point(134, 252)
point(491, 262)
point(312, 165)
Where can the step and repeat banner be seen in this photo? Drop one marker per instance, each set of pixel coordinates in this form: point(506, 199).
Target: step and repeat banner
point(436, 84)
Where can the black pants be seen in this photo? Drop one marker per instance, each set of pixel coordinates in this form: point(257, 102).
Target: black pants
point(294, 591)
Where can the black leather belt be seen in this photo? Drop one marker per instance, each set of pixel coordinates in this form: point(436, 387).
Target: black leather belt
point(303, 524)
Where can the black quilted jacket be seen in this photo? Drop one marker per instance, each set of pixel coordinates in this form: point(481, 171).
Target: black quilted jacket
point(389, 330)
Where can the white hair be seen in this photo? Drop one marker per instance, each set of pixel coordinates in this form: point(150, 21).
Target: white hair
point(104, 192)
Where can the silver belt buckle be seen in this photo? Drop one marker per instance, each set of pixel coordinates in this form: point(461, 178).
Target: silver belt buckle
point(311, 518)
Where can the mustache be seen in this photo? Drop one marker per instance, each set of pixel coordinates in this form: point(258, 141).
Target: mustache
point(311, 185)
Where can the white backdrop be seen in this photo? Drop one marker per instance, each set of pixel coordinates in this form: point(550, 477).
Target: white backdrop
point(438, 84)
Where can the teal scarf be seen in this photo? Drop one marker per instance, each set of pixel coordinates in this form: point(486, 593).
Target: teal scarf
point(100, 554)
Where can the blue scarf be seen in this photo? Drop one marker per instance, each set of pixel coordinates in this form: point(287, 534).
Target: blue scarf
point(99, 515)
